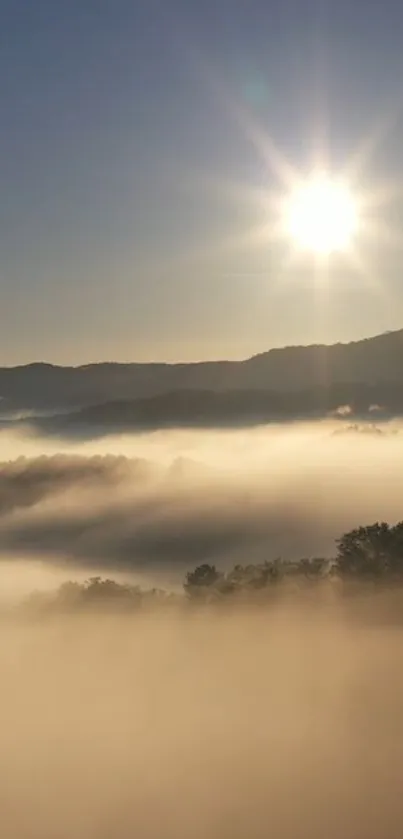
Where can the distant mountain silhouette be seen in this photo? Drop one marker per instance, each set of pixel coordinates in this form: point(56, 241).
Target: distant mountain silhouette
point(204, 409)
point(370, 363)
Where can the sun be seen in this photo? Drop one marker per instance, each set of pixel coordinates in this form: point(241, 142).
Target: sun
point(321, 215)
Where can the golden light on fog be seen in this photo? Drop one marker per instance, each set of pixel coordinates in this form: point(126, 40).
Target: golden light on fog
point(321, 215)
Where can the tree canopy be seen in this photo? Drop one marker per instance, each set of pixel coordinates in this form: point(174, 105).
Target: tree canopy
point(371, 552)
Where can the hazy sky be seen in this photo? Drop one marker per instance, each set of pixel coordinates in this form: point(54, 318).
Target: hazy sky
point(128, 185)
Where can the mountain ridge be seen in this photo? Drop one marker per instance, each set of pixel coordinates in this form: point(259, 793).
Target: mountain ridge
point(228, 409)
point(287, 347)
point(44, 387)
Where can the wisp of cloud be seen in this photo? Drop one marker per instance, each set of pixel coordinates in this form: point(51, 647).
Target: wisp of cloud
point(157, 504)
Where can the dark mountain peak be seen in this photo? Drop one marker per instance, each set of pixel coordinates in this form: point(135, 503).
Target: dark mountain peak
point(35, 366)
point(389, 337)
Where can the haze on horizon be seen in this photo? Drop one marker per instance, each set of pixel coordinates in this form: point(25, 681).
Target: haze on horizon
point(134, 181)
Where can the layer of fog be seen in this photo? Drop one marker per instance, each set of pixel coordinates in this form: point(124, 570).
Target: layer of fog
point(284, 724)
point(152, 506)
point(198, 723)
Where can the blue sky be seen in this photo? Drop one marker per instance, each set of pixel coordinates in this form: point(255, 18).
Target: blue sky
point(128, 186)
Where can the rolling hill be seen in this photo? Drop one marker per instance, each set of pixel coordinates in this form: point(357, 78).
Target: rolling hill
point(43, 387)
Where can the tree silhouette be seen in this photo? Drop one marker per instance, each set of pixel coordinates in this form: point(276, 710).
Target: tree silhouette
point(367, 551)
point(371, 552)
point(203, 581)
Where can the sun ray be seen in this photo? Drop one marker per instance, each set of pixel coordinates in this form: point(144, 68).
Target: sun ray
point(271, 155)
point(384, 193)
point(379, 232)
point(366, 149)
point(339, 225)
point(225, 189)
point(362, 269)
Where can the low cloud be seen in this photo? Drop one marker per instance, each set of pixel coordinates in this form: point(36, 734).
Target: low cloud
point(26, 482)
point(192, 497)
point(274, 721)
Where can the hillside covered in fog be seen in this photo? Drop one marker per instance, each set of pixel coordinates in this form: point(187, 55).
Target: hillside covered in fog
point(229, 408)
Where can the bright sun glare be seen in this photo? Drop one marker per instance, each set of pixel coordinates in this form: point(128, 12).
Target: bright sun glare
point(321, 215)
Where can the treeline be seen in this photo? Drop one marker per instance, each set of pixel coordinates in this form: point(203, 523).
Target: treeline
point(370, 553)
